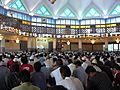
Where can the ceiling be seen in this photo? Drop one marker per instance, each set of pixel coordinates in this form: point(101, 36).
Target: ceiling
point(78, 7)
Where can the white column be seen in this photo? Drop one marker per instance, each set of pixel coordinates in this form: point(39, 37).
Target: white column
point(80, 45)
point(33, 43)
point(3, 45)
point(106, 45)
point(29, 45)
point(54, 44)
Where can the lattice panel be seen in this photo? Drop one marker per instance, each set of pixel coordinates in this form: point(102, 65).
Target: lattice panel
point(112, 29)
point(58, 31)
point(25, 28)
point(66, 32)
point(51, 30)
point(34, 28)
point(100, 30)
point(118, 27)
point(43, 30)
point(73, 31)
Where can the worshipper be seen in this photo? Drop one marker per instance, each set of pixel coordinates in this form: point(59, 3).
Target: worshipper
point(12, 79)
point(117, 80)
point(4, 71)
point(71, 83)
point(57, 87)
point(25, 64)
point(107, 70)
point(118, 61)
point(26, 84)
point(97, 80)
point(5, 58)
point(41, 58)
point(37, 78)
point(71, 66)
point(80, 73)
point(55, 75)
point(94, 64)
point(10, 62)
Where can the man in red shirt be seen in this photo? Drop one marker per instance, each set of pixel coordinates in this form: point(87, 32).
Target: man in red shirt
point(10, 62)
point(25, 64)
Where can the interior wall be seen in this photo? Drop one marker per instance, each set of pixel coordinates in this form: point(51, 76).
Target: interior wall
point(74, 46)
point(11, 45)
point(10, 42)
point(65, 47)
point(95, 47)
point(86, 47)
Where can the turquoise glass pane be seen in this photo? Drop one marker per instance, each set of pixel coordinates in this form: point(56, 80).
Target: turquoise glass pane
point(39, 12)
point(17, 4)
point(116, 10)
point(22, 8)
point(14, 6)
point(43, 11)
point(47, 14)
point(92, 13)
point(0, 2)
point(63, 15)
point(67, 13)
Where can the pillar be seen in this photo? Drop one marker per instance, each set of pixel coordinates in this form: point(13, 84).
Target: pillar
point(80, 45)
point(29, 44)
point(3, 45)
point(33, 43)
point(54, 44)
point(106, 45)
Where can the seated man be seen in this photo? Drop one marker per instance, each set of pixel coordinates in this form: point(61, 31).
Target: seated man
point(26, 84)
point(25, 64)
point(71, 83)
point(97, 80)
point(38, 78)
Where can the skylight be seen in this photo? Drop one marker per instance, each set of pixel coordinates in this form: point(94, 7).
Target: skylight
point(0, 2)
point(18, 5)
point(116, 10)
point(43, 11)
point(92, 13)
point(67, 13)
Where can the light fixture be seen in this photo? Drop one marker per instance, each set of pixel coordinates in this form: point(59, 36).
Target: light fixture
point(55, 17)
point(1, 37)
point(117, 40)
point(31, 14)
point(52, 1)
point(6, 7)
point(68, 42)
point(92, 41)
point(17, 40)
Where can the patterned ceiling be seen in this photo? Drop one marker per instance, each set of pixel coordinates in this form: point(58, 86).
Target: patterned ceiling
point(76, 9)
